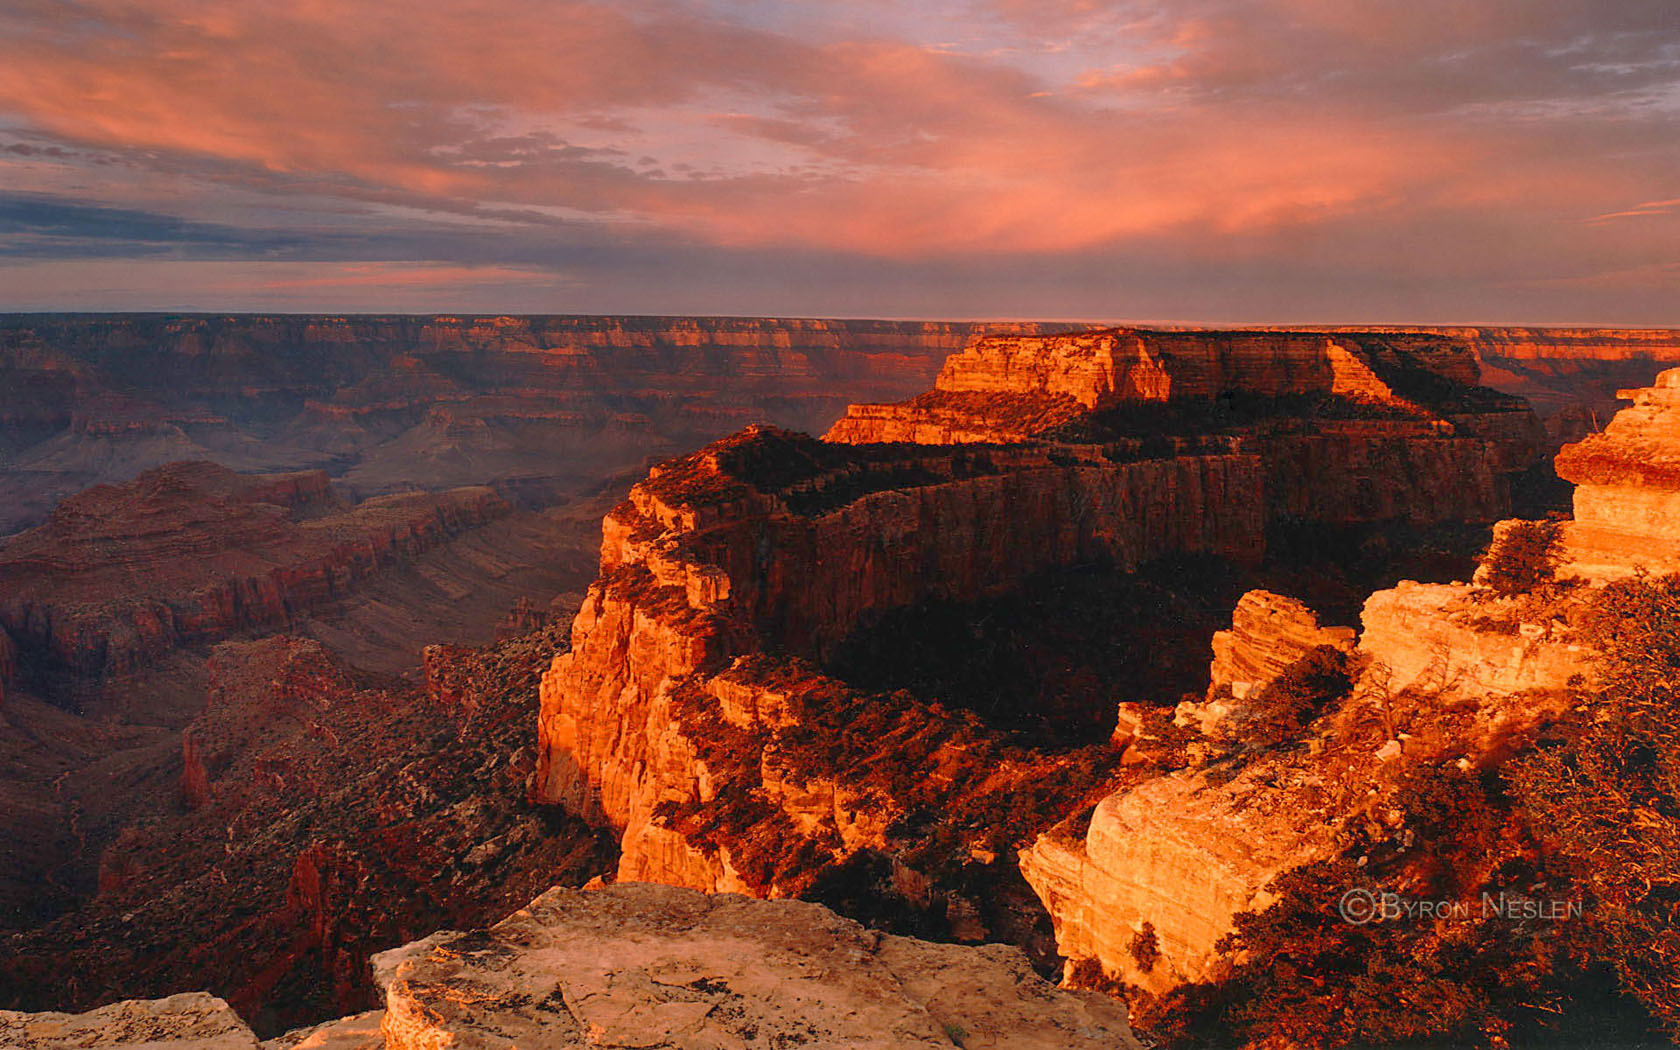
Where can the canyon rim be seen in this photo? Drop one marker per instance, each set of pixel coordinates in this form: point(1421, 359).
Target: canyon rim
point(715, 525)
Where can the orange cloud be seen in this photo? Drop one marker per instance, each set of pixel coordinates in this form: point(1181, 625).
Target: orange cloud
point(1225, 120)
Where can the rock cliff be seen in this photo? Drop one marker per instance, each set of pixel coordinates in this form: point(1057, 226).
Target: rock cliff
point(1349, 426)
point(192, 552)
point(1184, 852)
point(1627, 488)
point(773, 543)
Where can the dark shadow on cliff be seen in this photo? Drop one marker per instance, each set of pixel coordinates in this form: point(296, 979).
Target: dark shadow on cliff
point(1048, 662)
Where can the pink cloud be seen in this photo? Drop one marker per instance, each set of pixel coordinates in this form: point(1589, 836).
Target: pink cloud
point(1221, 120)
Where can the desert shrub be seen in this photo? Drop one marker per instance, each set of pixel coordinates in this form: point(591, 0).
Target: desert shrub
point(1279, 712)
point(1146, 948)
point(1306, 977)
point(1522, 558)
point(1608, 792)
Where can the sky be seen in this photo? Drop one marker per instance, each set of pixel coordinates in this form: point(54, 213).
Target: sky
point(1214, 161)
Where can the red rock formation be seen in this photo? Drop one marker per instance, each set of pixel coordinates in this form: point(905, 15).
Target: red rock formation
point(727, 770)
point(1351, 427)
point(338, 817)
point(674, 717)
point(192, 552)
point(1627, 487)
point(1185, 852)
point(1268, 633)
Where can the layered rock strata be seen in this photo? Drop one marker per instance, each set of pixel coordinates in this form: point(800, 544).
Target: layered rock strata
point(1182, 854)
point(1627, 488)
point(192, 552)
point(1446, 640)
point(540, 407)
point(1349, 427)
point(1268, 633)
point(671, 703)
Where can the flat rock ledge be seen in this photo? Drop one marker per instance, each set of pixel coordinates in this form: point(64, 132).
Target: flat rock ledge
point(653, 968)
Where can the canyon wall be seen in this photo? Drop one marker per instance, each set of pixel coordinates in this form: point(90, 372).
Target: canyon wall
point(192, 552)
point(690, 715)
point(1350, 426)
point(774, 543)
point(541, 408)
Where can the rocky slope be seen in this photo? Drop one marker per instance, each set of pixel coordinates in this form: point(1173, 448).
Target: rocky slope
point(191, 552)
point(316, 817)
point(654, 967)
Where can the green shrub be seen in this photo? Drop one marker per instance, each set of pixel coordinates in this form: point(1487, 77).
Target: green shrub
point(1522, 558)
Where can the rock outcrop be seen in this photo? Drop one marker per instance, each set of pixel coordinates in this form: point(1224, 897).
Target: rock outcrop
point(1183, 853)
point(657, 967)
point(1443, 639)
point(192, 552)
point(773, 543)
point(188, 1021)
point(653, 967)
point(1268, 633)
point(1627, 488)
point(1349, 426)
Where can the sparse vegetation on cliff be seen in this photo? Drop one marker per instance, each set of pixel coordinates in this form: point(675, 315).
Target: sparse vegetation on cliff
point(1608, 792)
point(1522, 559)
point(1585, 826)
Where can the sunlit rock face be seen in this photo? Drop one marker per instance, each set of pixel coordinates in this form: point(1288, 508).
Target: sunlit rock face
point(1268, 633)
point(774, 543)
point(1349, 427)
point(1627, 487)
point(659, 967)
point(690, 716)
point(1183, 854)
point(1437, 637)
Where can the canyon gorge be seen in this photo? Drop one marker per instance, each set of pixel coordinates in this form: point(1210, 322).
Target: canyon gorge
point(319, 635)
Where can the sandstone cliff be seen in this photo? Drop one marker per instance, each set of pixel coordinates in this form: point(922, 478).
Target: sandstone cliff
point(772, 543)
point(1349, 427)
point(1627, 488)
point(1185, 852)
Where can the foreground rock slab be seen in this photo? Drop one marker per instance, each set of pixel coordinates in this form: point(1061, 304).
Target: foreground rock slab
point(190, 1021)
point(639, 965)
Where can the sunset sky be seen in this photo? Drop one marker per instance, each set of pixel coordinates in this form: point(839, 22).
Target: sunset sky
point(1194, 160)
